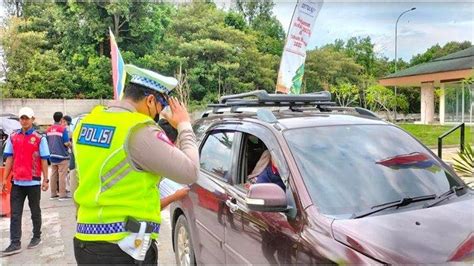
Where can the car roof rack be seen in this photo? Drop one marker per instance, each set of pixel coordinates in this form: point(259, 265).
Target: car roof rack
point(359, 110)
point(251, 101)
point(262, 98)
point(238, 103)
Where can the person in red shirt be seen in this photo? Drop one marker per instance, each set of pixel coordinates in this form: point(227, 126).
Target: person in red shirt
point(27, 153)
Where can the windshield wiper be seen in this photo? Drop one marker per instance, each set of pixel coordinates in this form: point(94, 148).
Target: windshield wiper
point(444, 196)
point(398, 203)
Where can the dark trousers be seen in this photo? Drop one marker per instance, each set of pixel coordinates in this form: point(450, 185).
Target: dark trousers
point(99, 252)
point(17, 201)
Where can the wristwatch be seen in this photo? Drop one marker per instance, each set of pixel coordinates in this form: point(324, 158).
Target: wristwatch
point(46, 180)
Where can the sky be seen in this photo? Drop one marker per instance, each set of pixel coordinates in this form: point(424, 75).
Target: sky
point(431, 23)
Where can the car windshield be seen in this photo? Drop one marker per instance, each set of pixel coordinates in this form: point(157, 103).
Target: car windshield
point(350, 168)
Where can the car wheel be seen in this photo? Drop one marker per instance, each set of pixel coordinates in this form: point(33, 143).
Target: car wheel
point(184, 252)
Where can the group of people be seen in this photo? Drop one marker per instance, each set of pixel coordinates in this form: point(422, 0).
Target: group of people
point(59, 142)
point(120, 153)
point(27, 153)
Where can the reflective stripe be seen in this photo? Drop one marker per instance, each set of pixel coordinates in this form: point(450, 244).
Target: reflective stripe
point(114, 170)
point(60, 134)
point(116, 179)
point(99, 229)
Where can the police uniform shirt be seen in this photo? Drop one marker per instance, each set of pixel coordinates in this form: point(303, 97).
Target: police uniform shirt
point(150, 150)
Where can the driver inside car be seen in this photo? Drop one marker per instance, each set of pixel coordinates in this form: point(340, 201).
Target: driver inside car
point(265, 171)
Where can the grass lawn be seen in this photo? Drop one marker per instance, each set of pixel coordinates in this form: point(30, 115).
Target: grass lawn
point(428, 134)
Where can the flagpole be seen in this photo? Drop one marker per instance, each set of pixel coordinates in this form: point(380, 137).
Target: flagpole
point(286, 39)
point(292, 16)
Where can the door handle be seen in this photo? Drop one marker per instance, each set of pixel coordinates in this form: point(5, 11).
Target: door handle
point(232, 206)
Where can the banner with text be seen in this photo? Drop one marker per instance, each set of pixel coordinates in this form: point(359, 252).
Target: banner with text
point(290, 75)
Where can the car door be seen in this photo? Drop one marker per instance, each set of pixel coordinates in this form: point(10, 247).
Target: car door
point(253, 237)
point(208, 195)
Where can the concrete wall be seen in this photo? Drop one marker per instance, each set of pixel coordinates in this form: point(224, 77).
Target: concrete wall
point(45, 108)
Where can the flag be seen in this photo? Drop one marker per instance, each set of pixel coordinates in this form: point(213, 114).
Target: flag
point(290, 75)
point(118, 68)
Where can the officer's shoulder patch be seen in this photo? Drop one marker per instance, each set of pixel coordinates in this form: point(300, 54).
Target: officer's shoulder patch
point(96, 135)
point(162, 136)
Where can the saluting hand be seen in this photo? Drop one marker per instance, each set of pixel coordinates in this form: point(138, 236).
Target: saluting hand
point(178, 113)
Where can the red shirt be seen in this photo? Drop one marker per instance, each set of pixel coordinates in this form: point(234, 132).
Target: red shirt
point(26, 156)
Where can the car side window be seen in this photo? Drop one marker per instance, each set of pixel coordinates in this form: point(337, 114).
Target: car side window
point(216, 154)
point(256, 164)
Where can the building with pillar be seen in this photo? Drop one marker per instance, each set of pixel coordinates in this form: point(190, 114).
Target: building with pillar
point(449, 78)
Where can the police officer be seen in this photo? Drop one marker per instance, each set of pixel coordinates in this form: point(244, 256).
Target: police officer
point(121, 155)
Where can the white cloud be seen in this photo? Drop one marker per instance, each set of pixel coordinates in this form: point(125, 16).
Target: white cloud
point(431, 23)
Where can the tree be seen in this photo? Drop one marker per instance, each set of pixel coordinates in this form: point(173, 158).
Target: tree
point(346, 94)
point(33, 71)
point(217, 58)
point(362, 50)
point(270, 34)
point(14, 7)
point(235, 20)
point(437, 51)
point(182, 89)
point(253, 9)
point(326, 67)
point(379, 97)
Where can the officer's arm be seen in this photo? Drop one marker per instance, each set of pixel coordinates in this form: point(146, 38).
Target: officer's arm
point(151, 152)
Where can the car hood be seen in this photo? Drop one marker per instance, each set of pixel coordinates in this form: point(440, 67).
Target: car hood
point(438, 234)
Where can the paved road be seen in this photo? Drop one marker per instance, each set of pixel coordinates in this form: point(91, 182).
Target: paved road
point(57, 234)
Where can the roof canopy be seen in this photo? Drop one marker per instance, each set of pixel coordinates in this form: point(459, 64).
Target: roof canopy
point(452, 67)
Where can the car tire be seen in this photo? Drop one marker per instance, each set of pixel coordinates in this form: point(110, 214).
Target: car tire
point(183, 250)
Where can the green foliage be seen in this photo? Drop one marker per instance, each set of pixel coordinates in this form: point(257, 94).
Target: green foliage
point(253, 9)
point(219, 59)
point(61, 49)
point(235, 20)
point(327, 67)
point(345, 94)
point(437, 51)
point(465, 163)
point(362, 50)
point(381, 98)
point(270, 35)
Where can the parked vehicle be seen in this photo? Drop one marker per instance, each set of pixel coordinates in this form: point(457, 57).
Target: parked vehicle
point(76, 121)
point(358, 189)
point(8, 123)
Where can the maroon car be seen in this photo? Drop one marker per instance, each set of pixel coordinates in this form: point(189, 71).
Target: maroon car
point(355, 189)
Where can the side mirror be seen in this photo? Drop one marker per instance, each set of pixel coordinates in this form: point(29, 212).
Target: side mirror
point(266, 198)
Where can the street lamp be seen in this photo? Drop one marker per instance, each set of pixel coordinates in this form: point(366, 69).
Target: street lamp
point(396, 58)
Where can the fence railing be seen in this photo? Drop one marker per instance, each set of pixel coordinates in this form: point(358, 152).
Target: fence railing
point(447, 133)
